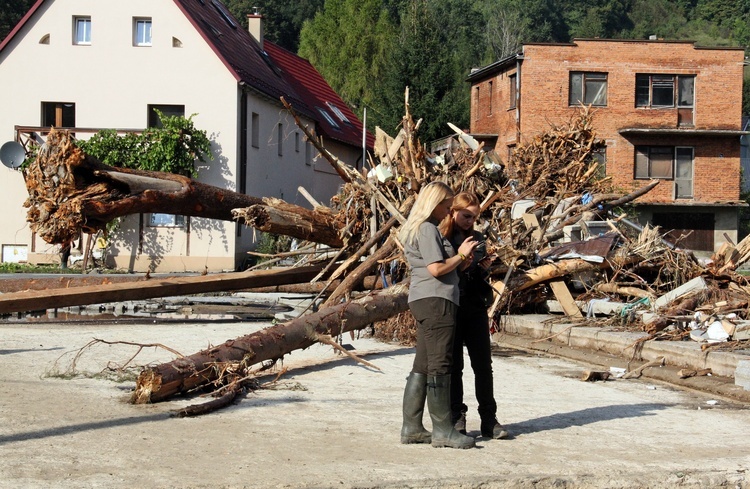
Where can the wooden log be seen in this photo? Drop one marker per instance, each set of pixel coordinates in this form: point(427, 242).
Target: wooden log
point(371, 282)
point(358, 274)
point(636, 373)
point(278, 217)
point(71, 192)
point(185, 374)
point(35, 300)
point(532, 277)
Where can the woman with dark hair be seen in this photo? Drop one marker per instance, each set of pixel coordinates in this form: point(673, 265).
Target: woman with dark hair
point(472, 322)
point(433, 300)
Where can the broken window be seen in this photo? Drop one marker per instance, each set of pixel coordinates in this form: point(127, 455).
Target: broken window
point(588, 88)
point(664, 90)
point(513, 90)
point(660, 162)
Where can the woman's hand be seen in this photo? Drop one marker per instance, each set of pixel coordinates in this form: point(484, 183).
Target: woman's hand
point(467, 247)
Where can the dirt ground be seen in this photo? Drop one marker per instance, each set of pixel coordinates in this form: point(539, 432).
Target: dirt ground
point(329, 422)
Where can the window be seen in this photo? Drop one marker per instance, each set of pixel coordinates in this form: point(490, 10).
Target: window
point(489, 103)
point(296, 141)
point(513, 90)
point(664, 90)
point(141, 32)
point(308, 153)
point(683, 179)
point(166, 110)
point(58, 114)
point(327, 117)
point(663, 162)
point(338, 113)
point(588, 88)
point(653, 161)
point(280, 138)
point(166, 220)
point(476, 103)
point(600, 157)
point(255, 130)
point(82, 30)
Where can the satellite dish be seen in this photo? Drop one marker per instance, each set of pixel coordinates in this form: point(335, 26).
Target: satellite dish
point(12, 154)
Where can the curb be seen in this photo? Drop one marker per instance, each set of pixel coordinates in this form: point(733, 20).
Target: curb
point(538, 332)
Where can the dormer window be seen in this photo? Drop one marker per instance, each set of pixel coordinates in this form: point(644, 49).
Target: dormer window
point(141, 31)
point(82, 31)
point(338, 113)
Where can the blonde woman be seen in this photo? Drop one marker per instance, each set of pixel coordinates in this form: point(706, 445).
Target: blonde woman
point(433, 300)
point(472, 322)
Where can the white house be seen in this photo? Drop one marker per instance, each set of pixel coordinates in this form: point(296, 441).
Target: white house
point(94, 64)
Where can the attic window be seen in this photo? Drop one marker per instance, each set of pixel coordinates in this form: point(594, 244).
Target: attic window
point(327, 117)
point(338, 113)
point(176, 43)
point(44, 39)
point(269, 62)
point(223, 12)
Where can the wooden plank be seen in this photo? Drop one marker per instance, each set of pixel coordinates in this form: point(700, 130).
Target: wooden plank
point(38, 300)
point(563, 296)
point(531, 222)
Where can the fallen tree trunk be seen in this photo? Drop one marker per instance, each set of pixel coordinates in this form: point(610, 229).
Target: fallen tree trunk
point(71, 192)
point(185, 374)
point(278, 217)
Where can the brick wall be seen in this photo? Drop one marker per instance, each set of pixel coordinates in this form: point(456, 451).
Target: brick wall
point(545, 73)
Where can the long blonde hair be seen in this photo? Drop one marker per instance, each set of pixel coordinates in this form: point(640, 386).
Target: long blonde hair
point(429, 197)
point(460, 202)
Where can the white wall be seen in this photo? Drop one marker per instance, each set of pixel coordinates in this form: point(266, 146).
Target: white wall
point(112, 83)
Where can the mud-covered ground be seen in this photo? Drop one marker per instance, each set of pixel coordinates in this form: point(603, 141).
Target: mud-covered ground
point(329, 422)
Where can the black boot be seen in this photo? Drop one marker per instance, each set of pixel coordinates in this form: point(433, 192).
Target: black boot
point(491, 428)
point(415, 393)
point(438, 401)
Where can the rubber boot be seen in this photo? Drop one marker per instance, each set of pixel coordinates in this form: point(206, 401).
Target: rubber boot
point(439, 404)
point(412, 431)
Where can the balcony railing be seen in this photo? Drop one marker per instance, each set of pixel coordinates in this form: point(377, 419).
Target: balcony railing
point(30, 136)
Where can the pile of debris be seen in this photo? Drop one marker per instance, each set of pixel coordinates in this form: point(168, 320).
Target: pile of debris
point(559, 228)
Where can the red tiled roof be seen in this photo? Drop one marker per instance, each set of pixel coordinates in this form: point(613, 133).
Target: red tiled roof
point(319, 96)
point(274, 73)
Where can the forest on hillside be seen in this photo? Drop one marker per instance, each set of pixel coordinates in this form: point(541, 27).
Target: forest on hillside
point(369, 50)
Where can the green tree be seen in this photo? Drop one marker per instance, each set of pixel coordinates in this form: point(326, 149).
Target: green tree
point(746, 93)
point(282, 19)
point(423, 62)
point(348, 42)
point(11, 12)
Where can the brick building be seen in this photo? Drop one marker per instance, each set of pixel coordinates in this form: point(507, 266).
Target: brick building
point(667, 110)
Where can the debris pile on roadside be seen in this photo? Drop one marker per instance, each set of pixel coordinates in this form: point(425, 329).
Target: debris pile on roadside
point(559, 228)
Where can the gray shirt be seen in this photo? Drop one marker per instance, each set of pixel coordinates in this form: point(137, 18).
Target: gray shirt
point(431, 247)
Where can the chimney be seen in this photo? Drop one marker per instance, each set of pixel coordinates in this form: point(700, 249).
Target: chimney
point(255, 26)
